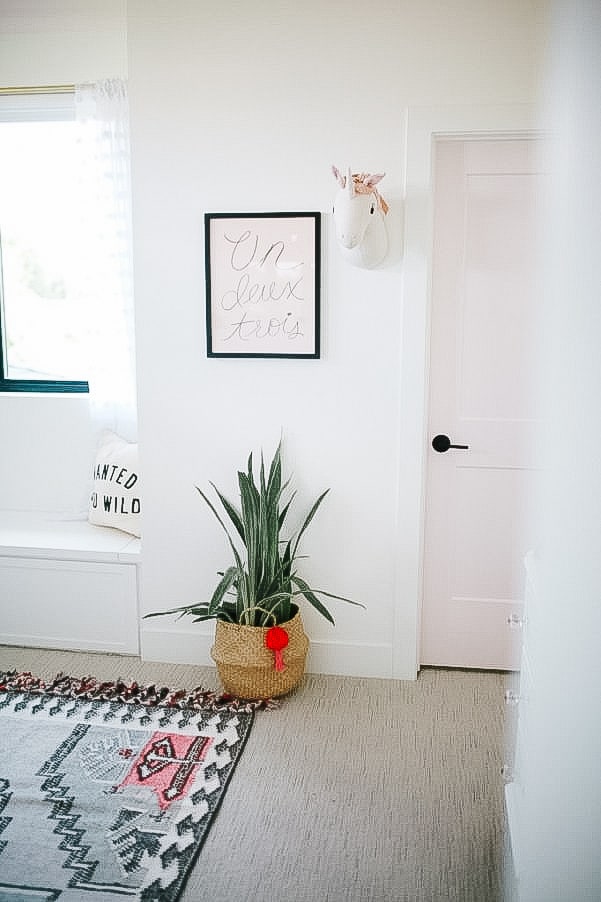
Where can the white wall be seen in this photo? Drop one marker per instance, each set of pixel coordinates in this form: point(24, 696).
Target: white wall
point(243, 107)
point(559, 823)
point(55, 42)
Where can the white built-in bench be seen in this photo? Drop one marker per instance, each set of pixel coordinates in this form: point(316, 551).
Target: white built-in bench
point(67, 584)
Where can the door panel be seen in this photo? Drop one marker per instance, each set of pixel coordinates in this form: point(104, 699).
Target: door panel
point(483, 342)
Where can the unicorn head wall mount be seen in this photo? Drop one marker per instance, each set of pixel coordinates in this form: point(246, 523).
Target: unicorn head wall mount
point(359, 218)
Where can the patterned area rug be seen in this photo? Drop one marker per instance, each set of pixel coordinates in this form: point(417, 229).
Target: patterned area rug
point(108, 790)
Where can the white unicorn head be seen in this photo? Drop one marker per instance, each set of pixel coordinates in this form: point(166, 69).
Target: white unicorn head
point(359, 212)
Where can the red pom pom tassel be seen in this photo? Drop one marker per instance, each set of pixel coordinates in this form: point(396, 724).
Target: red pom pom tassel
point(277, 639)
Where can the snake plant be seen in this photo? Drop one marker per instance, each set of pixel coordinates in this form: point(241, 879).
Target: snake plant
point(262, 586)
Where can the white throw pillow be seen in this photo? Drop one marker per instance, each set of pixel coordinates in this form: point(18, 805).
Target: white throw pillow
point(115, 498)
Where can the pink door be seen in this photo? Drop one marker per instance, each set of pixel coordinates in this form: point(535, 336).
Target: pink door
point(483, 347)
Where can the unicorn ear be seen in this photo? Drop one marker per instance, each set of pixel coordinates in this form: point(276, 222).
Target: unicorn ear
point(371, 180)
point(350, 185)
point(339, 178)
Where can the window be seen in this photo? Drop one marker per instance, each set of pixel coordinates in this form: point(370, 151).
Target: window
point(43, 323)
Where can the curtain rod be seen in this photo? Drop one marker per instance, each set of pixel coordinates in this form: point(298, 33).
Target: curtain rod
point(40, 89)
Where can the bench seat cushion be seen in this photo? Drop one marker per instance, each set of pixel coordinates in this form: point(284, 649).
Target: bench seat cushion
point(47, 536)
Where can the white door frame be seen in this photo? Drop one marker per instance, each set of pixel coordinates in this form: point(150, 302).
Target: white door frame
point(423, 125)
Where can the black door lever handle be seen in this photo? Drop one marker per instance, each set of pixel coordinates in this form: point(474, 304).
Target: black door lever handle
point(442, 443)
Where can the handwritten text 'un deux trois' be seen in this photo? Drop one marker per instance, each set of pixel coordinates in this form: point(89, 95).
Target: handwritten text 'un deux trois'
point(115, 503)
point(244, 253)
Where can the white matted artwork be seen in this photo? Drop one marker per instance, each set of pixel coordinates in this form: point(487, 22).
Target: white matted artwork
point(262, 284)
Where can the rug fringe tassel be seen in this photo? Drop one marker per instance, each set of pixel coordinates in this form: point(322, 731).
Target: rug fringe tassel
point(89, 689)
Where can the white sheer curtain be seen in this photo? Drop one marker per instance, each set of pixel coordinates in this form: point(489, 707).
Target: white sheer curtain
point(102, 114)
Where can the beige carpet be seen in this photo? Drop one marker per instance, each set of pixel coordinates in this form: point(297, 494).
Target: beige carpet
point(353, 790)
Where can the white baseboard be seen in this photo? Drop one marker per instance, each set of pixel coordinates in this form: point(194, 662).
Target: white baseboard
point(358, 659)
point(177, 646)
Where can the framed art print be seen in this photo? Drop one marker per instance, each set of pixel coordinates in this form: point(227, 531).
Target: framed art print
point(263, 273)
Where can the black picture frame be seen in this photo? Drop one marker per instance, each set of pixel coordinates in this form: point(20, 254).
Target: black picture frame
point(263, 284)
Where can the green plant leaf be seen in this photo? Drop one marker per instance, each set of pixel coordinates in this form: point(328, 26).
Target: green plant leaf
point(305, 589)
point(284, 512)
point(231, 511)
point(217, 515)
point(274, 482)
point(184, 609)
point(228, 579)
point(308, 519)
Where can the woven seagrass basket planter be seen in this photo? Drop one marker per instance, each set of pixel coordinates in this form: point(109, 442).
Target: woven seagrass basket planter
point(246, 667)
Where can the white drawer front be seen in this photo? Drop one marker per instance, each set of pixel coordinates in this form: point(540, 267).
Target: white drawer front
point(69, 604)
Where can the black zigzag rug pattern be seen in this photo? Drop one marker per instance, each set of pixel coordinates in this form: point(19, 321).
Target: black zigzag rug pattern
point(108, 790)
